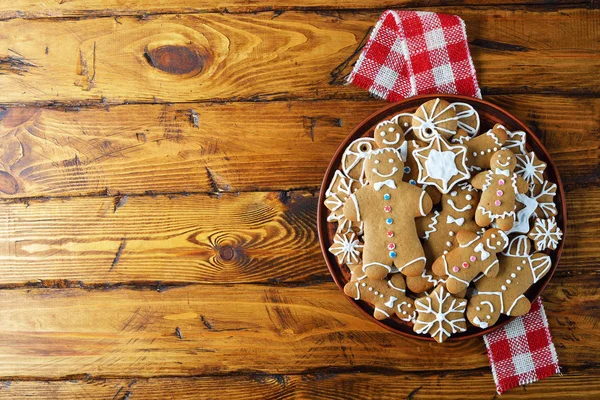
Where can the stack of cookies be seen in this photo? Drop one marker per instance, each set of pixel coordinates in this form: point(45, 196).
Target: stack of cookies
point(442, 225)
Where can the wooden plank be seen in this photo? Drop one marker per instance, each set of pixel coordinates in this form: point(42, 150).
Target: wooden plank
point(266, 146)
point(451, 385)
point(200, 57)
point(99, 8)
point(250, 237)
point(223, 329)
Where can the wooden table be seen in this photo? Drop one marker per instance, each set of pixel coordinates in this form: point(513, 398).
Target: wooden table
point(158, 174)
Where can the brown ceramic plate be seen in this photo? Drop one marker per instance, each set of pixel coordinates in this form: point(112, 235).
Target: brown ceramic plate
point(489, 114)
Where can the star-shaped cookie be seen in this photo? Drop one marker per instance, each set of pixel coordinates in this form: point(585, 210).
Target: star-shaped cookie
point(441, 164)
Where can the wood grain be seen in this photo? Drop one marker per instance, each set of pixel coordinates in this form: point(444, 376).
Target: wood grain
point(233, 57)
point(186, 148)
point(250, 237)
point(223, 329)
point(322, 385)
point(109, 8)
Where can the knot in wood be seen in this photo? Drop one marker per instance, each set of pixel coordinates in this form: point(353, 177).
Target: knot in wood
point(176, 59)
point(226, 253)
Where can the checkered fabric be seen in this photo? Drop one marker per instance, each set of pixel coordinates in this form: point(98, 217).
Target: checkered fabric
point(522, 352)
point(414, 52)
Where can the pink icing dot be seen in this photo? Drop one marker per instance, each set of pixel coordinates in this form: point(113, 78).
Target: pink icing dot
point(499, 192)
point(455, 269)
point(501, 182)
point(473, 258)
point(391, 246)
point(497, 202)
point(387, 208)
point(465, 265)
point(390, 234)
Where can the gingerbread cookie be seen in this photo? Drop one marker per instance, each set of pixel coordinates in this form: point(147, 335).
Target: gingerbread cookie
point(530, 168)
point(389, 134)
point(499, 187)
point(340, 188)
point(546, 234)
point(515, 142)
point(481, 148)
point(388, 206)
point(537, 202)
point(386, 296)
point(439, 229)
point(347, 247)
point(441, 164)
point(435, 118)
point(440, 315)
point(504, 293)
point(354, 157)
point(474, 255)
point(468, 119)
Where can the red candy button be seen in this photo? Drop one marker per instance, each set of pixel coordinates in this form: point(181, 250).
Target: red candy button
point(465, 265)
point(387, 208)
point(390, 234)
point(391, 246)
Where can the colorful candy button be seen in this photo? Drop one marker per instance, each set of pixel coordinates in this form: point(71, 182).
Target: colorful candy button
point(386, 196)
point(391, 246)
point(412, 182)
point(473, 258)
point(465, 265)
point(392, 254)
point(406, 170)
point(499, 192)
point(501, 182)
point(497, 202)
point(387, 208)
point(455, 269)
point(389, 221)
point(390, 234)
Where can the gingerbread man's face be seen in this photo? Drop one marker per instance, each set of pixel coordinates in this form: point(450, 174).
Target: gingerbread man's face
point(503, 159)
point(494, 240)
point(483, 310)
point(388, 134)
point(384, 164)
point(461, 201)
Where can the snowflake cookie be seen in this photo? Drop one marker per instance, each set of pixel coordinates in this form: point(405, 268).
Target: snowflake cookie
point(546, 234)
point(441, 164)
point(530, 168)
point(347, 247)
point(440, 315)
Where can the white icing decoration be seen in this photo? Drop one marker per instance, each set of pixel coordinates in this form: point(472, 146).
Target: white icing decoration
point(480, 323)
point(432, 225)
point(376, 172)
point(355, 201)
point(483, 254)
point(359, 155)
point(458, 221)
point(465, 208)
point(429, 128)
point(364, 267)
point(449, 274)
point(489, 304)
point(357, 292)
point(390, 284)
point(514, 304)
point(440, 164)
point(390, 302)
point(436, 327)
point(421, 203)
point(516, 140)
point(381, 311)
point(546, 234)
point(528, 170)
point(411, 262)
point(469, 112)
point(347, 248)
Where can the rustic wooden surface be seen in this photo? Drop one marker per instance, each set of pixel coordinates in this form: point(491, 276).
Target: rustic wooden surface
point(158, 168)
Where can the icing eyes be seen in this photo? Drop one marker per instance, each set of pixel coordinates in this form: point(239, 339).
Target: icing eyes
point(382, 134)
point(391, 160)
point(376, 161)
point(391, 129)
point(508, 158)
point(453, 194)
point(469, 197)
point(493, 236)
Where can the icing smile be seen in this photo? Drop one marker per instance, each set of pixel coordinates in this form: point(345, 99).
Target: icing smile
point(394, 170)
point(394, 142)
point(489, 245)
point(465, 208)
point(503, 165)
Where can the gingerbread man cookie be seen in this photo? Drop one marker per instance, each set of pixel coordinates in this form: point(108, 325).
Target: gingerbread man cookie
point(504, 293)
point(499, 187)
point(386, 296)
point(474, 255)
point(388, 207)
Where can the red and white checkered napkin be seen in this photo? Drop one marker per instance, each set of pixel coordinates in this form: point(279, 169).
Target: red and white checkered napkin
point(411, 53)
point(522, 352)
point(414, 52)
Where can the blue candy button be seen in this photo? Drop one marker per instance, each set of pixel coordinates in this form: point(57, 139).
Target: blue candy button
point(389, 221)
point(406, 170)
point(393, 254)
point(386, 196)
point(412, 182)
